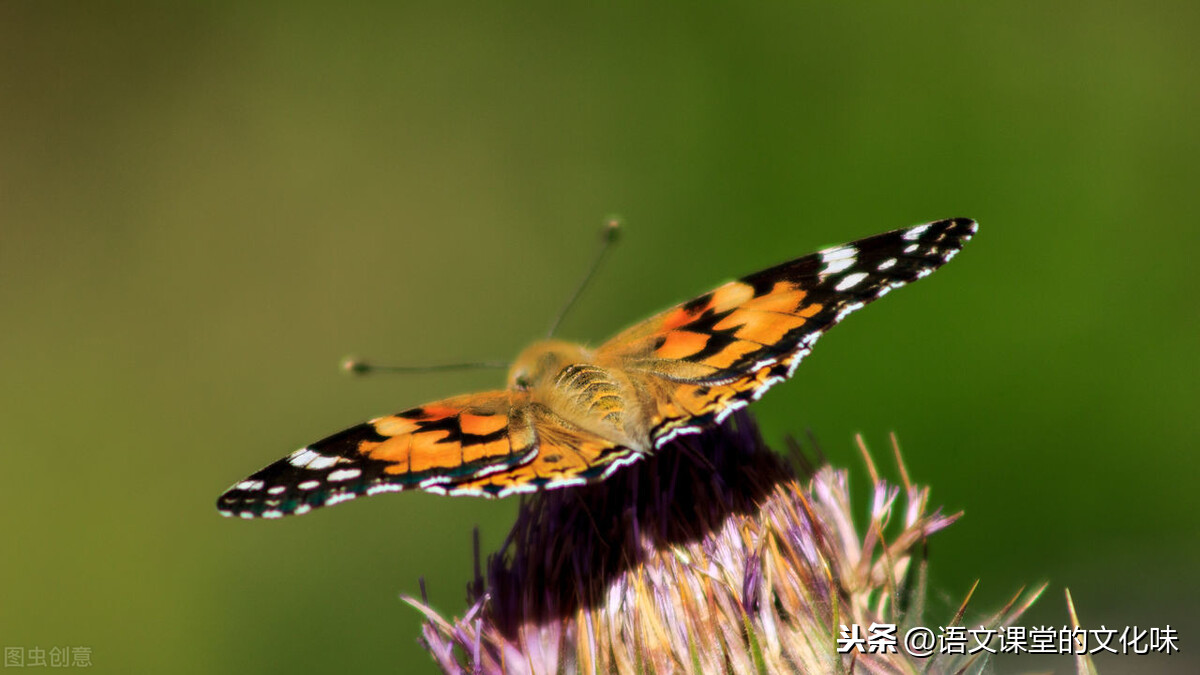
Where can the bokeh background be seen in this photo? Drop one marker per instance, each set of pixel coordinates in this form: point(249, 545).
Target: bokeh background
point(204, 207)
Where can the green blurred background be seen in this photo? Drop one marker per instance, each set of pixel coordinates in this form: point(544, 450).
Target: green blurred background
point(202, 208)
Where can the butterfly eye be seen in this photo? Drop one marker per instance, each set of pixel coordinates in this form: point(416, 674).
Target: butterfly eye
point(521, 382)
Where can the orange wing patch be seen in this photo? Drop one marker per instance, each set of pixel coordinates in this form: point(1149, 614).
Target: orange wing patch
point(680, 344)
point(718, 334)
point(446, 435)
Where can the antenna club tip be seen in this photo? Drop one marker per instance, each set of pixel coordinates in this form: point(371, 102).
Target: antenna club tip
point(612, 228)
point(352, 365)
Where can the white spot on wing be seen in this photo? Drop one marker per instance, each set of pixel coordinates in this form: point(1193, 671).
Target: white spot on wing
point(915, 233)
point(309, 484)
point(837, 259)
point(846, 310)
point(278, 489)
point(886, 264)
point(304, 458)
point(838, 266)
point(322, 462)
point(850, 281)
point(729, 410)
point(505, 466)
point(767, 384)
point(301, 457)
point(838, 253)
point(339, 497)
point(516, 489)
point(384, 487)
point(795, 362)
point(618, 463)
point(250, 485)
point(344, 474)
point(763, 364)
point(911, 248)
point(670, 435)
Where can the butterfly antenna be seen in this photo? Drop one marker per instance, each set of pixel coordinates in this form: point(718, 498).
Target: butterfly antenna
point(607, 237)
point(355, 366)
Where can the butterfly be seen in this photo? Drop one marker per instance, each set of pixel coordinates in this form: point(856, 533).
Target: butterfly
point(572, 415)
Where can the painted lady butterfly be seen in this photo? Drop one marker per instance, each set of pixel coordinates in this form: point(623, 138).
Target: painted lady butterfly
point(573, 415)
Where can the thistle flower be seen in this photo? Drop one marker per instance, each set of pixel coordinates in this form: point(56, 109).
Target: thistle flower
point(712, 556)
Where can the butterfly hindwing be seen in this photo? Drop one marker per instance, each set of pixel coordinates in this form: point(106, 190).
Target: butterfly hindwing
point(709, 356)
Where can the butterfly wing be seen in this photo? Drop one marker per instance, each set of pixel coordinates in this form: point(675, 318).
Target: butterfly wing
point(701, 360)
point(490, 444)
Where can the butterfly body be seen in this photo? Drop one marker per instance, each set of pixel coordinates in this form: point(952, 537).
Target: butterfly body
point(571, 415)
point(597, 397)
